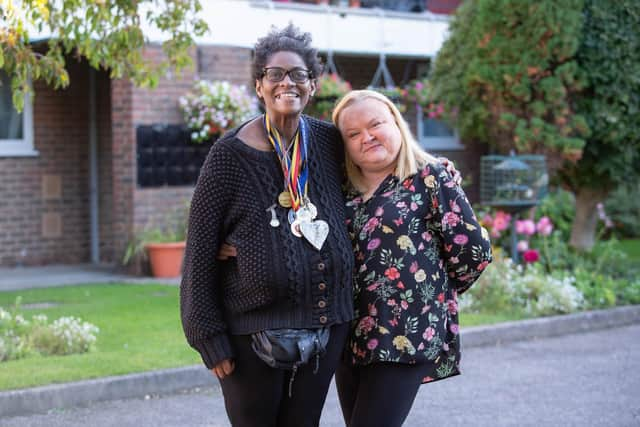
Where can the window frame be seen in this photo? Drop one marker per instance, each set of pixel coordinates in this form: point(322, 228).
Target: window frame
point(23, 147)
point(439, 143)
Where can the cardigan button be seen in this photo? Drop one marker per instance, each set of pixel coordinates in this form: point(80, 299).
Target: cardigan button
point(322, 303)
point(321, 266)
point(323, 319)
point(322, 286)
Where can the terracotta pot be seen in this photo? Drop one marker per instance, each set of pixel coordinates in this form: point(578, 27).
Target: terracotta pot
point(166, 258)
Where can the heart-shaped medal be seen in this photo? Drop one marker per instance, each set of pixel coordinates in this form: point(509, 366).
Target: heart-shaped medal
point(315, 232)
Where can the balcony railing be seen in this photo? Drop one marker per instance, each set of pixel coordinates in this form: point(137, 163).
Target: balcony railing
point(417, 6)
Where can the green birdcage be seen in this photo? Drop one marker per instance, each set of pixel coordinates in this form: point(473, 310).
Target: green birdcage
point(513, 183)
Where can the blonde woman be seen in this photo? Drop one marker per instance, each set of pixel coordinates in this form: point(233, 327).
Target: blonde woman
point(417, 245)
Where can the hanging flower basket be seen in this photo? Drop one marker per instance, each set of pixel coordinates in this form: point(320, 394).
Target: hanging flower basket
point(395, 94)
point(418, 93)
point(213, 107)
point(330, 88)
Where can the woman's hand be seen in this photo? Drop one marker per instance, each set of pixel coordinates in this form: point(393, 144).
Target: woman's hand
point(223, 368)
point(226, 251)
point(451, 168)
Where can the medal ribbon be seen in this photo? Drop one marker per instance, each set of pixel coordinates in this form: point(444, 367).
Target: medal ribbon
point(294, 166)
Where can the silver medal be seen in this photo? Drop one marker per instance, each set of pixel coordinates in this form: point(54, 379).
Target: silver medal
point(315, 232)
point(303, 214)
point(295, 228)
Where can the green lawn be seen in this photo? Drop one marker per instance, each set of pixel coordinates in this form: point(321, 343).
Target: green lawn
point(139, 331)
point(631, 247)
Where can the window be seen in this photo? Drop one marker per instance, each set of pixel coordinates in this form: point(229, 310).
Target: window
point(436, 135)
point(16, 129)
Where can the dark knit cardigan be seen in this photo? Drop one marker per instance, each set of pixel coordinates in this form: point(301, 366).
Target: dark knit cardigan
point(277, 280)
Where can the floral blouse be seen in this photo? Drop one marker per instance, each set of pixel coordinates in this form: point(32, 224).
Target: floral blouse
point(417, 244)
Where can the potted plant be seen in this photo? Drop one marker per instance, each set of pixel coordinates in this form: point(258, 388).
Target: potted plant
point(213, 107)
point(330, 88)
point(162, 245)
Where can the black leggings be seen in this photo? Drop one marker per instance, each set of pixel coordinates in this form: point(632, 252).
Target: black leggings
point(256, 395)
point(380, 394)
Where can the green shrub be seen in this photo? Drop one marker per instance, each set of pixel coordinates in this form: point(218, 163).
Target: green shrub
point(20, 337)
point(559, 205)
point(623, 206)
point(506, 287)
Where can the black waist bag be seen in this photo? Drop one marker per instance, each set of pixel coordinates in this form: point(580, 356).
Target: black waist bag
point(289, 348)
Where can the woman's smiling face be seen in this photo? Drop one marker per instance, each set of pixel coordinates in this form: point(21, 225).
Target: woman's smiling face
point(371, 136)
point(285, 97)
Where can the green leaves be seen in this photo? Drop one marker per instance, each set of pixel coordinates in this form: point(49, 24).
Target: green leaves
point(108, 33)
point(510, 74)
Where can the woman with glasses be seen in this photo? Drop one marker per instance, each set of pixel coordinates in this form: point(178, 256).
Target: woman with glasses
point(271, 189)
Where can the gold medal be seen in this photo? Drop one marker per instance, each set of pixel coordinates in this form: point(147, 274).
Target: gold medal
point(284, 199)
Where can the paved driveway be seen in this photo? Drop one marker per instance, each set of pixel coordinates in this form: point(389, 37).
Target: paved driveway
point(590, 379)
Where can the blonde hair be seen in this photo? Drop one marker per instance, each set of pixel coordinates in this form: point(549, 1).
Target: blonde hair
point(411, 157)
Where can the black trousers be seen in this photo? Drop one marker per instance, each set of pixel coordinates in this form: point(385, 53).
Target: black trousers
point(256, 395)
point(380, 394)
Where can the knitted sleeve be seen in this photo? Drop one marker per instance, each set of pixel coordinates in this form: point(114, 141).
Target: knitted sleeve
point(200, 294)
point(466, 245)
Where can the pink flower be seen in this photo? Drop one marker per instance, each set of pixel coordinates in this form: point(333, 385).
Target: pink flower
point(454, 328)
point(371, 224)
point(531, 256)
point(366, 324)
point(414, 267)
point(482, 265)
point(460, 239)
point(404, 304)
point(523, 245)
point(544, 226)
point(452, 306)
point(428, 333)
point(526, 227)
point(450, 219)
point(501, 221)
point(372, 343)
point(379, 211)
point(374, 243)
point(426, 236)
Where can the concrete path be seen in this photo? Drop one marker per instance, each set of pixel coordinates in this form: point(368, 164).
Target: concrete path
point(64, 275)
point(587, 379)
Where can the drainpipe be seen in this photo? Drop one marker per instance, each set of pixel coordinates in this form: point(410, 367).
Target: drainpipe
point(93, 170)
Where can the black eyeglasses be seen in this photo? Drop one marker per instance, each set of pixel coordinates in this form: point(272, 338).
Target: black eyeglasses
point(277, 74)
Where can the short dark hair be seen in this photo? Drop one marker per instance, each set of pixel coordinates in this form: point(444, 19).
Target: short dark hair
point(288, 39)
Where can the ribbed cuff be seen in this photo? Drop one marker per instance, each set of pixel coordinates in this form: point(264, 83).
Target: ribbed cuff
point(215, 350)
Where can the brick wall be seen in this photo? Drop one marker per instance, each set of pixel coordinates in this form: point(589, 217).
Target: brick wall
point(44, 213)
point(136, 208)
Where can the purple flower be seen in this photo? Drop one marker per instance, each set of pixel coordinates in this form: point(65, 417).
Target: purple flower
point(454, 328)
point(372, 343)
point(374, 243)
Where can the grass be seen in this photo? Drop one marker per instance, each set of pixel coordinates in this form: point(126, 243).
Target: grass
point(139, 331)
point(631, 247)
